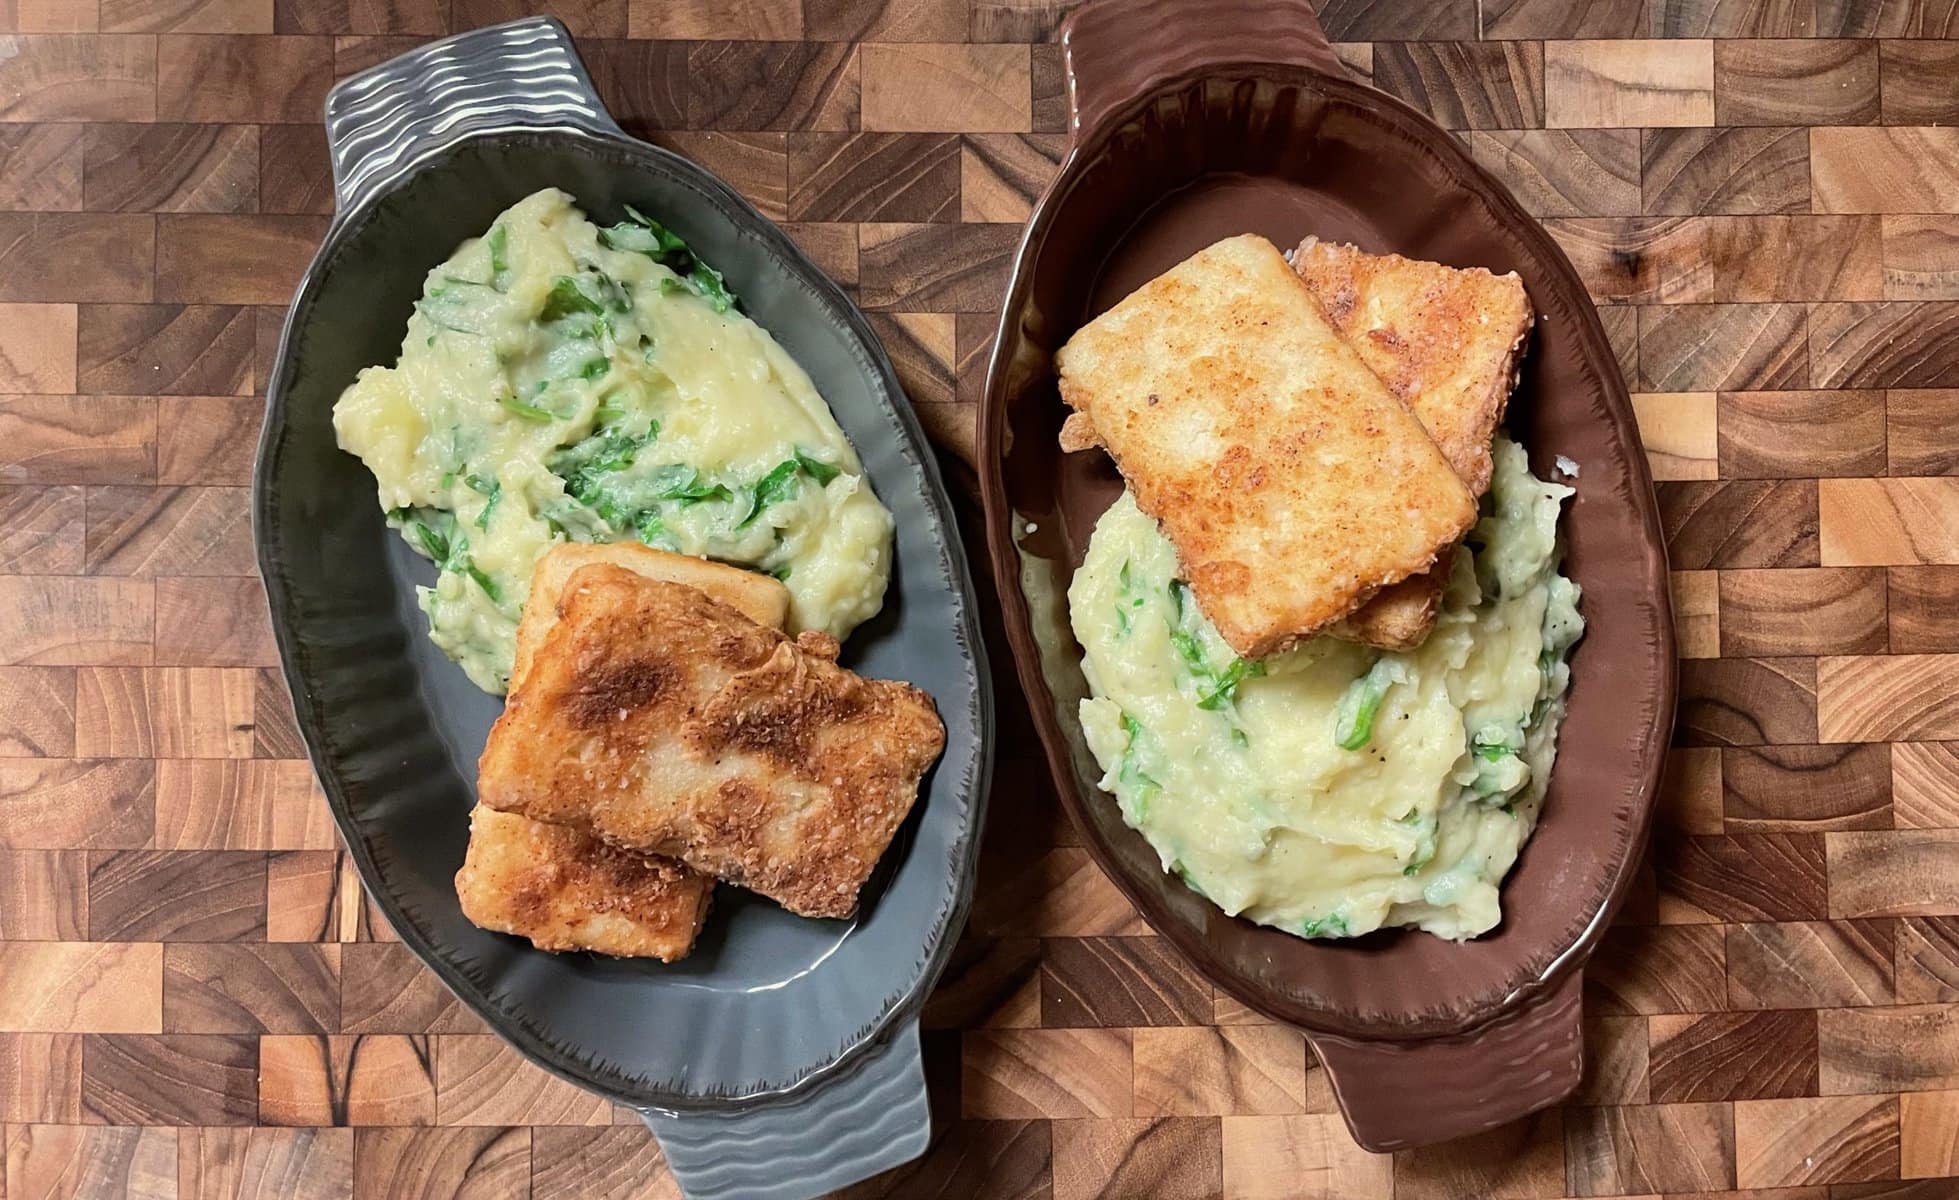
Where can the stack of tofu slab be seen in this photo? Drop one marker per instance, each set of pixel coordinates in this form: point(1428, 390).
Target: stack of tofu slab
point(662, 733)
point(1312, 436)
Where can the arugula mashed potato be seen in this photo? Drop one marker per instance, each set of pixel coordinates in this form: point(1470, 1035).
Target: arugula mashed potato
point(565, 382)
point(1334, 789)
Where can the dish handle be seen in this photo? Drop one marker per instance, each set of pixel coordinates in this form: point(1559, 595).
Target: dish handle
point(1116, 50)
point(518, 73)
point(868, 1120)
point(1397, 1095)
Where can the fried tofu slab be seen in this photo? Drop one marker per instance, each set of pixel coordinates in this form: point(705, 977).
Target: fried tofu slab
point(566, 890)
point(1293, 484)
point(1446, 341)
point(557, 885)
point(666, 722)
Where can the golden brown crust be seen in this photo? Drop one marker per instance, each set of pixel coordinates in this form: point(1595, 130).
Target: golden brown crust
point(1446, 341)
point(1292, 483)
point(567, 890)
point(557, 885)
point(669, 723)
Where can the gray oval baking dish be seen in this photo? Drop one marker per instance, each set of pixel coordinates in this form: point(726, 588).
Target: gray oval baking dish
point(1191, 123)
point(781, 1059)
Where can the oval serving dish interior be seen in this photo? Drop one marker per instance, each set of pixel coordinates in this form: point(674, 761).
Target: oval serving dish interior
point(767, 999)
point(1286, 152)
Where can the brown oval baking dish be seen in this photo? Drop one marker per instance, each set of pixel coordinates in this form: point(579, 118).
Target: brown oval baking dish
point(1195, 122)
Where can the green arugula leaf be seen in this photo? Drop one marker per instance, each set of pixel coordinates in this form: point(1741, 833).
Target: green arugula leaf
point(567, 298)
point(499, 242)
point(526, 410)
point(817, 469)
point(491, 488)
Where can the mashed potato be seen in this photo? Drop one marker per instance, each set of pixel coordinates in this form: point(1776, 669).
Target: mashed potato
point(1334, 789)
point(563, 382)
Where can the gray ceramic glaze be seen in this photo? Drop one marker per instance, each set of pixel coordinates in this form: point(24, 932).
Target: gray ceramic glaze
point(780, 1059)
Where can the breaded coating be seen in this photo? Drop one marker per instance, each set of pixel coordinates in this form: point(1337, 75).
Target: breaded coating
point(1446, 341)
point(557, 885)
point(669, 723)
point(761, 598)
point(1292, 483)
point(566, 890)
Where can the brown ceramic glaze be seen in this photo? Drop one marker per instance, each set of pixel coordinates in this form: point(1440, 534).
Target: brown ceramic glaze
point(1193, 122)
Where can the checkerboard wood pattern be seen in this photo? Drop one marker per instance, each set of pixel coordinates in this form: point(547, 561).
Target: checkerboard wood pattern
point(197, 1001)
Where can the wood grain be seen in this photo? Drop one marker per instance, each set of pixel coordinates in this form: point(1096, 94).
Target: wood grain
point(1811, 964)
point(1762, 192)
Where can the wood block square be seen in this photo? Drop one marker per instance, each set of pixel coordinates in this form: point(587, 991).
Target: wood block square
point(1928, 960)
point(1906, 872)
point(144, 531)
point(1811, 964)
point(1917, 88)
point(77, 439)
point(172, 1079)
point(947, 88)
point(176, 712)
point(1884, 169)
point(37, 347)
point(304, 899)
point(1650, 1148)
point(171, 168)
point(385, 989)
point(81, 987)
point(1801, 434)
point(1826, 610)
point(1890, 344)
point(1899, 697)
point(1737, 170)
point(481, 1081)
point(223, 259)
point(41, 1078)
point(1617, 1068)
point(1870, 1050)
point(1795, 82)
point(38, 252)
point(1658, 969)
point(749, 20)
point(79, 77)
point(153, 349)
point(873, 177)
point(1921, 256)
point(1045, 1073)
point(1733, 1056)
point(1466, 85)
point(60, 804)
point(265, 988)
point(617, 1160)
point(1741, 877)
point(1678, 430)
point(1700, 347)
point(1928, 1134)
point(176, 895)
point(1619, 84)
point(43, 895)
point(1565, 172)
point(41, 168)
point(77, 1160)
point(1832, 1139)
point(1811, 789)
point(1747, 701)
point(1120, 981)
point(1001, 175)
point(41, 530)
point(274, 79)
point(436, 1164)
point(1177, 1158)
point(772, 85)
point(1226, 1070)
point(346, 1080)
point(1301, 1155)
point(259, 1164)
point(37, 712)
point(1925, 784)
